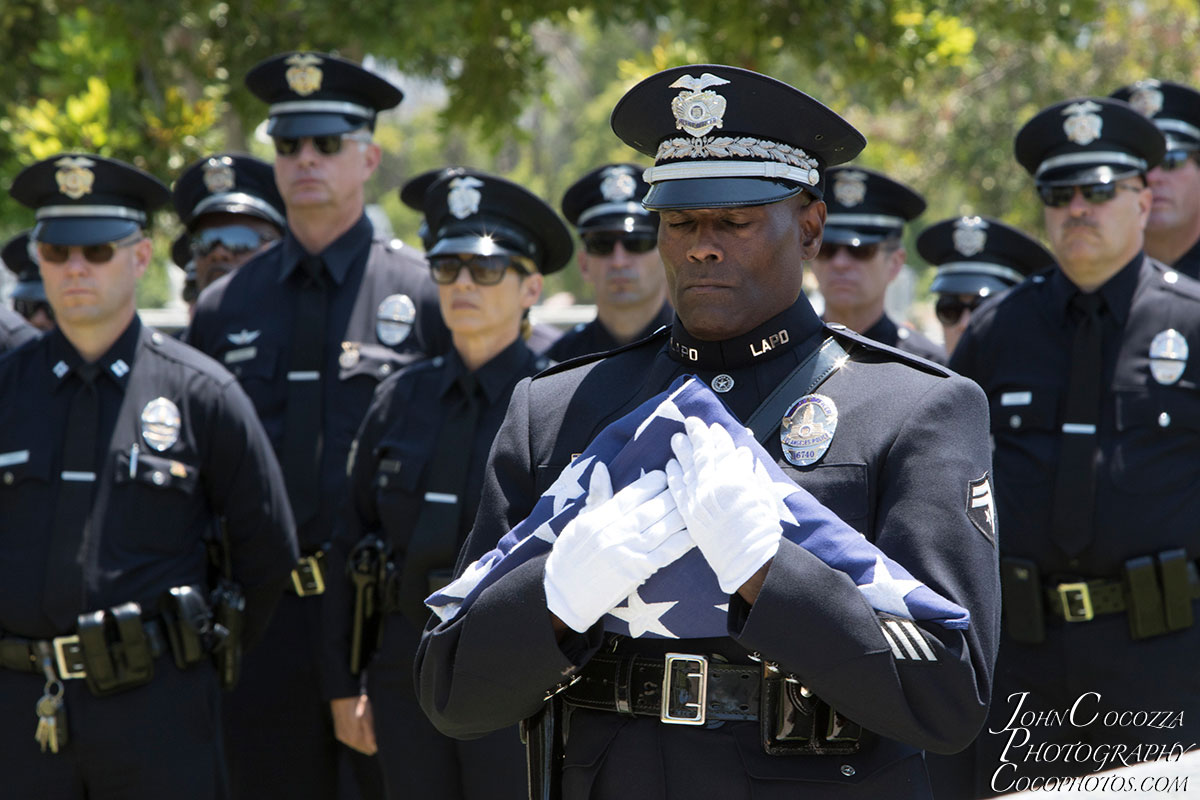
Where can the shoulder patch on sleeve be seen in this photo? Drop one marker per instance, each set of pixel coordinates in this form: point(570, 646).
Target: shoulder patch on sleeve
point(981, 507)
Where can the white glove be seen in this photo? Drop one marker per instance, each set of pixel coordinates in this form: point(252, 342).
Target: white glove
point(603, 555)
point(731, 514)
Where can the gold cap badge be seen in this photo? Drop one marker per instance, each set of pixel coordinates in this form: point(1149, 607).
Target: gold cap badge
point(303, 75)
point(74, 177)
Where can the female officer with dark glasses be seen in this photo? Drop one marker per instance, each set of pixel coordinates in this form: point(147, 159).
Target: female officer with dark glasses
point(416, 473)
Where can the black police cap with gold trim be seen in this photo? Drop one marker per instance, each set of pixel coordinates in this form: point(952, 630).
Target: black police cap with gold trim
point(723, 136)
point(412, 194)
point(20, 261)
point(865, 206)
point(317, 94)
point(980, 255)
point(609, 198)
point(1172, 107)
point(1088, 140)
point(473, 212)
point(87, 199)
point(229, 183)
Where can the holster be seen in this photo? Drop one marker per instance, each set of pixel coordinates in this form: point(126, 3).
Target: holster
point(1021, 590)
point(229, 612)
point(366, 567)
point(189, 625)
point(542, 735)
point(793, 722)
point(115, 649)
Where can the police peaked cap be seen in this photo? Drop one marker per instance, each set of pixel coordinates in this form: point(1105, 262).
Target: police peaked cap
point(609, 198)
point(723, 136)
point(317, 94)
point(1173, 107)
point(473, 212)
point(412, 194)
point(1088, 140)
point(231, 184)
point(83, 199)
point(980, 255)
point(865, 206)
point(17, 258)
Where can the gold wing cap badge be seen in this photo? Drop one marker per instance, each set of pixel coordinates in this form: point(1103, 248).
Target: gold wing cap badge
point(1082, 124)
point(75, 177)
point(303, 75)
point(697, 109)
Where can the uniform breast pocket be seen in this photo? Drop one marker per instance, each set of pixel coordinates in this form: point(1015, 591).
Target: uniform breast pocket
point(842, 488)
point(24, 490)
point(156, 499)
point(1026, 432)
point(1158, 435)
point(257, 368)
point(397, 483)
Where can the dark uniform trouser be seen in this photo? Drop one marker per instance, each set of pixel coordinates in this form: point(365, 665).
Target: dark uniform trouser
point(161, 740)
point(419, 762)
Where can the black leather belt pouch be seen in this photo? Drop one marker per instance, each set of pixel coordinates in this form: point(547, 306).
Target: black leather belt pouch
point(1144, 598)
point(1021, 589)
point(792, 724)
point(1177, 589)
point(116, 652)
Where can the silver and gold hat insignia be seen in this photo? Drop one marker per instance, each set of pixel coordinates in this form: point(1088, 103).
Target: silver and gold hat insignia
point(970, 236)
point(618, 184)
point(303, 75)
point(74, 176)
point(464, 196)
point(161, 423)
point(850, 188)
point(1082, 124)
point(219, 176)
point(1146, 98)
point(807, 429)
point(698, 110)
point(1168, 356)
point(394, 319)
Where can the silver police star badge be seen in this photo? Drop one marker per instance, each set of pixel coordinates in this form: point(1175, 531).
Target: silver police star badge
point(219, 176)
point(161, 423)
point(464, 196)
point(970, 236)
point(1147, 98)
point(850, 188)
point(1083, 124)
point(697, 109)
point(618, 184)
point(1168, 356)
point(74, 176)
point(394, 319)
point(303, 76)
point(807, 429)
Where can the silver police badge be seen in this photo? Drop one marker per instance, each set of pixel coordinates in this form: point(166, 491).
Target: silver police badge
point(161, 423)
point(970, 236)
point(1082, 124)
point(1168, 356)
point(807, 429)
point(1146, 98)
point(464, 196)
point(850, 188)
point(618, 184)
point(394, 319)
point(74, 177)
point(698, 111)
point(303, 76)
point(218, 175)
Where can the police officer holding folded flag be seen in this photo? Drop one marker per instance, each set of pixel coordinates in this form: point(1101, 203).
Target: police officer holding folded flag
point(1096, 421)
point(122, 452)
point(644, 562)
point(310, 327)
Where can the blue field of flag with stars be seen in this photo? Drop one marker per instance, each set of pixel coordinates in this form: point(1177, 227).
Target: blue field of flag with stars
point(683, 600)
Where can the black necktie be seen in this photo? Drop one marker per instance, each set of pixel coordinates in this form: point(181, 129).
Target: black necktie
point(63, 593)
point(435, 539)
point(1075, 484)
point(302, 429)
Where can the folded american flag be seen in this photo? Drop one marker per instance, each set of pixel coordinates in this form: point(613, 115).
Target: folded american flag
point(683, 600)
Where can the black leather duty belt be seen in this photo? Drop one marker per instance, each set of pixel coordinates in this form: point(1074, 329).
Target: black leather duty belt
point(678, 688)
point(1082, 601)
point(23, 655)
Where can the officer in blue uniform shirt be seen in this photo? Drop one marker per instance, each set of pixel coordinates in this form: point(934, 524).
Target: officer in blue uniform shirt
point(29, 295)
point(310, 327)
point(1173, 230)
point(1096, 422)
point(619, 259)
point(978, 258)
point(738, 180)
point(417, 470)
point(123, 453)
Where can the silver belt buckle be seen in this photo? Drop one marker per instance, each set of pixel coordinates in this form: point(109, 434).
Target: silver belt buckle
point(68, 651)
point(684, 689)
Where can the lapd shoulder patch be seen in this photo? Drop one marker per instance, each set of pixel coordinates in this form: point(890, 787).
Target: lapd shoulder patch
point(981, 507)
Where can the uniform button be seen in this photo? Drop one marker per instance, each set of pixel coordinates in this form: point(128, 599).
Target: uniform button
point(8, 479)
point(159, 478)
point(1014, 421)
point(384, 369)
point(156, 337)
point(848, 770)
point(1171, 276)
point(1164, 419)
point(383, 480)
point(722, 383)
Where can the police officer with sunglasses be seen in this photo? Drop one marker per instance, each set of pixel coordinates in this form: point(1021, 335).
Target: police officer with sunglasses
point(1173, 230)
point(123, 455)
point(310, 327)
point(619, 260)
point(861, 254)
point(1096, 423)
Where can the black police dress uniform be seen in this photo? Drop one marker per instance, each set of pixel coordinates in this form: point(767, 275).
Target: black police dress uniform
point(1189, 263)
point(389, 473)
point(148, 528)
point(14, 330)
point(1147, 499)
point(279, 724)
point(592, 337)
point(906, 339)
point(910, 439)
